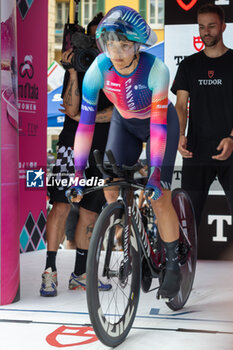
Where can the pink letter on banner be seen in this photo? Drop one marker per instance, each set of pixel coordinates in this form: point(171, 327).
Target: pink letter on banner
point(32, 35)
point(9, 203)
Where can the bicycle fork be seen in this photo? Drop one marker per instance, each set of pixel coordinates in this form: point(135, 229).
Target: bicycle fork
point(126, 268)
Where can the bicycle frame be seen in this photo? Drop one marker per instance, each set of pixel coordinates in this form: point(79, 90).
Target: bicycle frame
point(126, 188)
point(132, 212)
point(148, 252)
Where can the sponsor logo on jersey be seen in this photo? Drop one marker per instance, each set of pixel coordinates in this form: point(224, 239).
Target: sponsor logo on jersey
point(111, 83)
point(129, 95)
point(87, 108)
point(140, 87)
point(111, 86)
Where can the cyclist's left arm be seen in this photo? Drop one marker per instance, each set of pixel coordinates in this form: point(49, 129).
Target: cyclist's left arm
point(158, 82)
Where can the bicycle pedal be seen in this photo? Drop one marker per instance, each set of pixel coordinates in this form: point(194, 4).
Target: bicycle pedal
point(159, 297)
point(166, 300)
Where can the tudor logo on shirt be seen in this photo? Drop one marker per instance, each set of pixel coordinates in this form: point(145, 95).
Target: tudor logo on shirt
point(198, 43)
point(210, 81)
point(210, 73)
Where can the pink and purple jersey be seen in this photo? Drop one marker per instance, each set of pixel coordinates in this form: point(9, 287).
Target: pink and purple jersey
point(142, 94)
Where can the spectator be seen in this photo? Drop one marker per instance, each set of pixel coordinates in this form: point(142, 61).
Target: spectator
point(92, 204)
point(206, 80)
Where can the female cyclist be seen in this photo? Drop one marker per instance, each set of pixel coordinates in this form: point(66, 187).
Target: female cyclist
point(137, 84)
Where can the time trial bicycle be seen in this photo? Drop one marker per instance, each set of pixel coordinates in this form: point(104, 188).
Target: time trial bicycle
point(141, 258)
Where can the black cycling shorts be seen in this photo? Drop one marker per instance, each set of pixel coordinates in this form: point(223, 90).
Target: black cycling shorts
point(126, 137)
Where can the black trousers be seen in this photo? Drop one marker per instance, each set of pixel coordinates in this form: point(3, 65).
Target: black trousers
point(197, 177)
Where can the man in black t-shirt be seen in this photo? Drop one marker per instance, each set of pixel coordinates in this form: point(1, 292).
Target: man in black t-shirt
point(205, 80)
point(91, 205)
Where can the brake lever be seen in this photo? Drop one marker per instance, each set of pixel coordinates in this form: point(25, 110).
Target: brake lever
point(148, 194)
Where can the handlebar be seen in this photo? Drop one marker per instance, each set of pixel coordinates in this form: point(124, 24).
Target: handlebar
point(113, 170)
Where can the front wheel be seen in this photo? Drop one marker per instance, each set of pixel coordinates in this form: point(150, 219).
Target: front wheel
point(187, 246)
point(112, 312)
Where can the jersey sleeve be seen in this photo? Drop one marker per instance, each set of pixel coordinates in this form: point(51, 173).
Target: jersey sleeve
point(92, 83)
point(180, 82)
point(158, 82)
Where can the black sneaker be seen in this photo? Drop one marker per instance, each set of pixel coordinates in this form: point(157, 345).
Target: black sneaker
point(170, 284)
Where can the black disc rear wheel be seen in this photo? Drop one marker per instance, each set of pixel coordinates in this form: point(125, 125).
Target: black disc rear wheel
point(187, 246)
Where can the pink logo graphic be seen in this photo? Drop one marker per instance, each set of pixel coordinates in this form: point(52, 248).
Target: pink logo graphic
point(188, 6)
point(210, 73)
point(84, 334)
point(198, 43)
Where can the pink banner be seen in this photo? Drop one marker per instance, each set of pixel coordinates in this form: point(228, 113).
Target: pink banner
point(32, 35)
point(9, 235)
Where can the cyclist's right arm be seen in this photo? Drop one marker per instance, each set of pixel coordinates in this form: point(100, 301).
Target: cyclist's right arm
point(92, 83)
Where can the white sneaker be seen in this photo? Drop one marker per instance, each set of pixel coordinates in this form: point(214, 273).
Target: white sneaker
point(49, 283)
point(77, 282)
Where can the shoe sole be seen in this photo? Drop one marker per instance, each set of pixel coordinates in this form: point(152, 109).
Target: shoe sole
point(77, 287)
point(48, 295)
point(84, 288)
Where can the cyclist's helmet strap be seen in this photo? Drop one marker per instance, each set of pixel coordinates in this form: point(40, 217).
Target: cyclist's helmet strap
point(124, 23)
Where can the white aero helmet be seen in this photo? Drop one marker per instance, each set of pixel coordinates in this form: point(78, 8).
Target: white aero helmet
point(124, 23)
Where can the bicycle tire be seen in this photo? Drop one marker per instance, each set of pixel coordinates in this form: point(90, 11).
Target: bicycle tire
point(112, 322)
point(186, 216)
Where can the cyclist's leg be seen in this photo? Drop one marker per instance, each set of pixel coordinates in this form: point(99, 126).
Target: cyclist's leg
point(164, 211)
point(166, 216)
point(125, 146)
